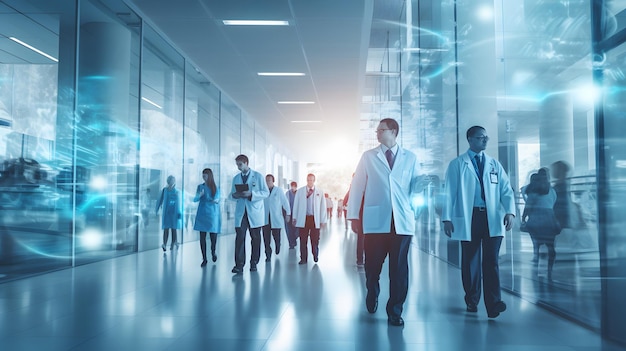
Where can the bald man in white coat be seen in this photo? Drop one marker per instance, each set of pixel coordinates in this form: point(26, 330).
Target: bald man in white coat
point(386, 182)
point(478, 210)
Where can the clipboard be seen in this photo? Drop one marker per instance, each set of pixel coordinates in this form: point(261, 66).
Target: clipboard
point(241, 187)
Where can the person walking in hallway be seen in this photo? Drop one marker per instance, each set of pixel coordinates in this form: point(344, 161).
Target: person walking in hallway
point(248, 189)
point(274, 205)
point(292, 231)
point(385, 183)
point(309, 215)
point(171, 218)
point(479, 208)
point(208, 217)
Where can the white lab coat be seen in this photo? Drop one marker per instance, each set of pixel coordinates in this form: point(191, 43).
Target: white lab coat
point(385, 192)
point(298, 211)
point(254, 207)
point(461, 184)
point(274, 205)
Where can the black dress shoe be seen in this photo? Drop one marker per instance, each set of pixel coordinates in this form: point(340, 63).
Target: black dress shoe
point(371, 302)
point(471, 308)
point(253, 268)
point(237, 270)
point(214, 258)
point(203, 263)
point(277, 250)
point(267, 259)
point(315, 259)
point(302, 262)
point(396, 321)
point(498, 308)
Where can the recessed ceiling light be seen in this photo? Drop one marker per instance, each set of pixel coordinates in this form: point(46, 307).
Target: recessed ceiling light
point(306, 121)
point(151, 102)
point(34, 49)
point(296, 102)
point(254, 23)
point(281, 74)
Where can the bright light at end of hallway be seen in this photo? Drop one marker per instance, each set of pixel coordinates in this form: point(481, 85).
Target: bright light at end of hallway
point(340, 153)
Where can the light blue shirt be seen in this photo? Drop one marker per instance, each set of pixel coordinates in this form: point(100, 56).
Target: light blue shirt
point(478, 201)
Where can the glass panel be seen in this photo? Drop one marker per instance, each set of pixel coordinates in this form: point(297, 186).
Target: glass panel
point(614, 173)
point(106, 135)
point(161, 147)
point(202, 141)
point(428, 76)
point(230, 136)
point(35, 208)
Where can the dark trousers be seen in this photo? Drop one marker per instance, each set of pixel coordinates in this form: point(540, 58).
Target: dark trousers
point(309, 230)
point(165, 236)
point(479, 263)
point(213, 237)
point(268, 233)
point(360, 244)
point(377, 246)
point(292, 232)
point(240, 243)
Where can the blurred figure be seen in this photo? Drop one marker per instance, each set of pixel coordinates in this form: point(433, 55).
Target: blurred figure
point(309, 215)
point(329, 206)
point(170, 200)
point(146, 204)
point(541, 223)
point(562, 206)
point(339, 207)
point(275, 205)
point(292, 231)
point(208, 217)
point(360, 237)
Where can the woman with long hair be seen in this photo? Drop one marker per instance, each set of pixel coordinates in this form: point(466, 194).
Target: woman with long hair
point(208, 217)
point(538, 214)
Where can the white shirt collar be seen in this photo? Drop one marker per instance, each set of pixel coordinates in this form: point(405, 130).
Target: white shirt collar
point(394, 149)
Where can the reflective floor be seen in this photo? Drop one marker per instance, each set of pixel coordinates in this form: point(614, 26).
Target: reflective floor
point(157, 301)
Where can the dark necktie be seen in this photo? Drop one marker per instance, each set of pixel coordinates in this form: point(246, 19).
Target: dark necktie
point(389, 155)
point(479, 163)
point(309, 193)
point(244, 178)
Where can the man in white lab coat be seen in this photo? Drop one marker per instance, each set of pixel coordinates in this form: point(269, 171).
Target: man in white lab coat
point(479, 208)
point(249, 212)
point(309, 215)
point(275, 204)
point(386, 183)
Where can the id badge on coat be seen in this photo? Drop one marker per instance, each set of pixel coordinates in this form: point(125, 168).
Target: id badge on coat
point(493, 177)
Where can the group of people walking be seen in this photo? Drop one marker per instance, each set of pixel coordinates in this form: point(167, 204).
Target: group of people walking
point(479, 207)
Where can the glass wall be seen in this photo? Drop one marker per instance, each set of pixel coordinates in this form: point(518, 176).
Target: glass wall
point(35, 213)
point(106, 218)
point(94, 116)
point(202, 141)
point(161, 131)
point(523, 70)
point(230, 147)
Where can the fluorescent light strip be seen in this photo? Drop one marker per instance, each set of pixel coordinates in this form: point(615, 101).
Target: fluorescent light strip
point(151, 102)
point(306, 121)
point(296, 102)
point(281, 74)
point(34, 49)
point(254, 23)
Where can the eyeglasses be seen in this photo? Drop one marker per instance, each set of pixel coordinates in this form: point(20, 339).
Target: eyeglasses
point(482, 138)
point(381, 130)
